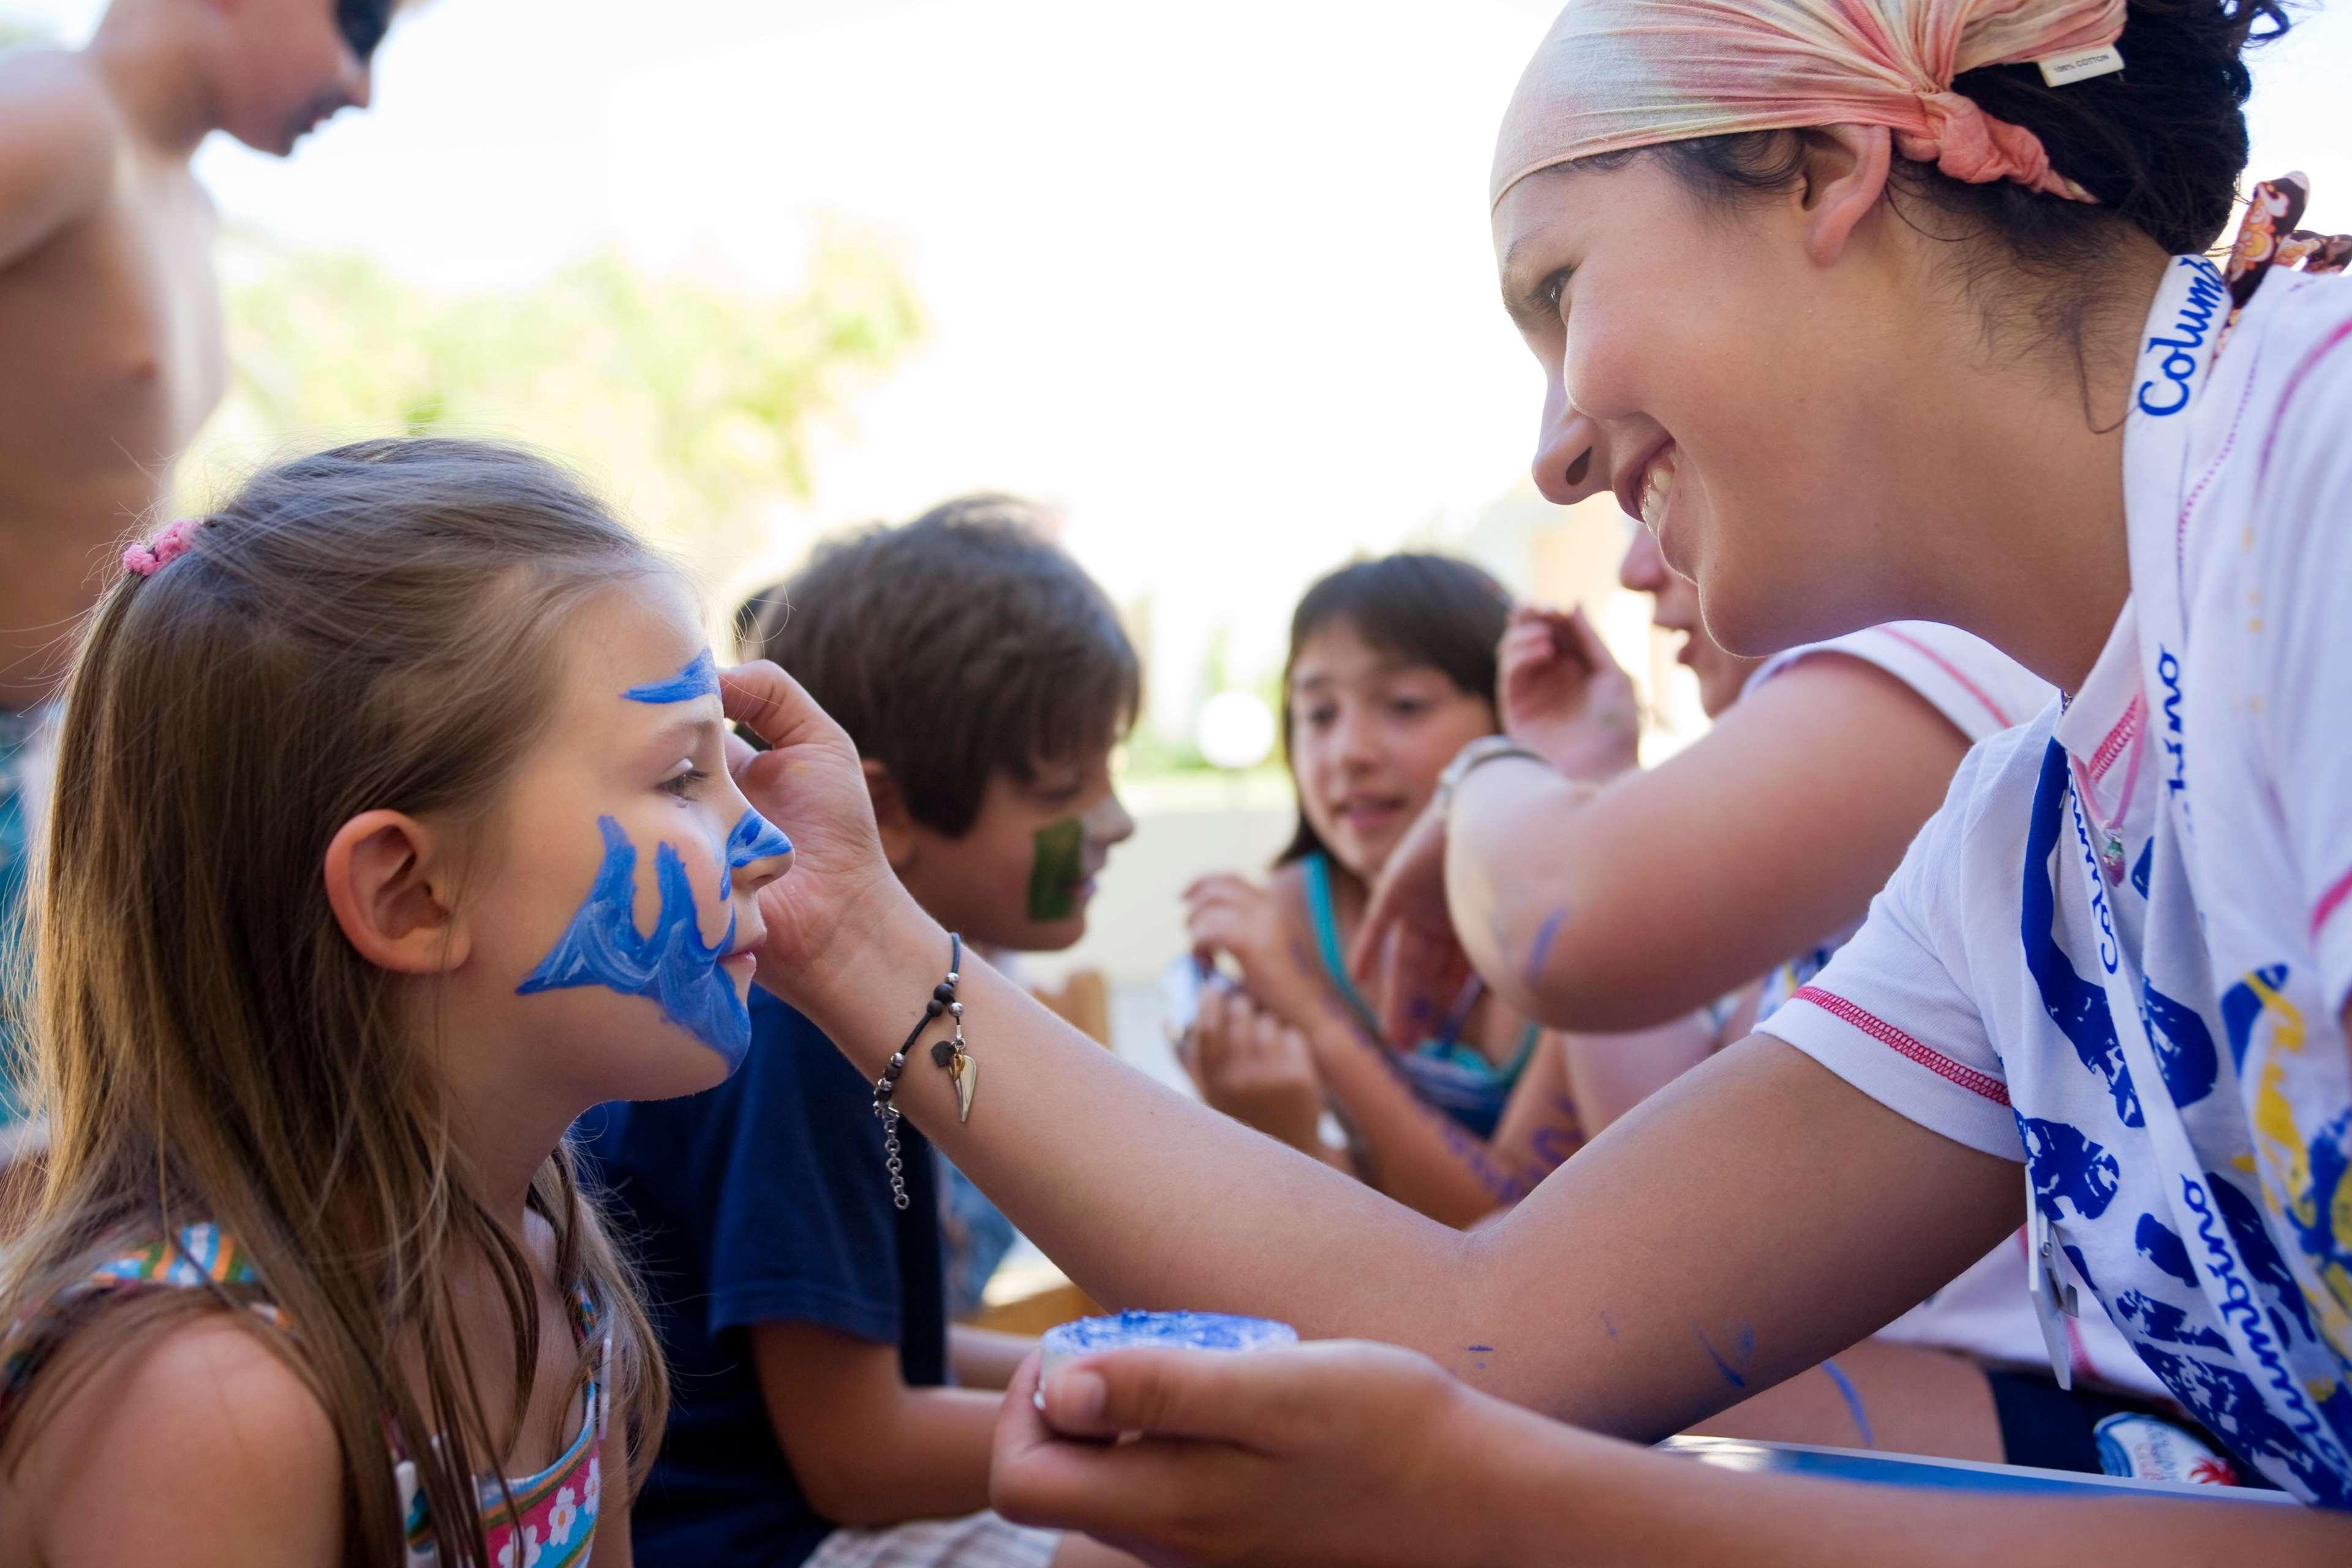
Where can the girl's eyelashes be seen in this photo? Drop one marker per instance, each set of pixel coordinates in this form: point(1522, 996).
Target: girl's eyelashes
point(685, 782)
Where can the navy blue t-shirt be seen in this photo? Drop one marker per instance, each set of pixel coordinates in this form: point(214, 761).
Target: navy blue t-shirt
point(764, 1200)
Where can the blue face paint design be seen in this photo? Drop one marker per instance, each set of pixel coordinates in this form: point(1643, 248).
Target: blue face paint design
point(753, 839)
point(699, 679)
point(670, 965)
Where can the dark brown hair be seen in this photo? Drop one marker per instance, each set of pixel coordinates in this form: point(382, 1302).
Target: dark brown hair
point(377, 626)
point(1431, 610)
point(958, 647)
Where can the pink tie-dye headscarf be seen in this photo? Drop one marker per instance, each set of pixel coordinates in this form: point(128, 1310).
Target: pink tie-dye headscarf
point(1614, 74)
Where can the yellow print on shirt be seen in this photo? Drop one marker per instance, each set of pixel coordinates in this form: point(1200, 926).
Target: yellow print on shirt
point(2303, 1180)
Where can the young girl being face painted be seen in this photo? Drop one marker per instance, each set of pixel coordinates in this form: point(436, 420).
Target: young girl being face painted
point(617, 946)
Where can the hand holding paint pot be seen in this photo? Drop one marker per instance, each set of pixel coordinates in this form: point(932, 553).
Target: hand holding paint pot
point(1219, 1332)
point(808, 783)
point(1335, 1453)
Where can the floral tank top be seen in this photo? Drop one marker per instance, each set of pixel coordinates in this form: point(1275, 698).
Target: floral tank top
point(544, 1520)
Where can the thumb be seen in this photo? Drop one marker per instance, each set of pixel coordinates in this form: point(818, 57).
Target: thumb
point(1238, 1399)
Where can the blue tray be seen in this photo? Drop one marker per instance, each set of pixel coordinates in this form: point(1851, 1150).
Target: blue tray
point(1909, 1470)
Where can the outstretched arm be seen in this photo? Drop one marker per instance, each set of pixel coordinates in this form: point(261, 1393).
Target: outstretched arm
point(1754, 1216)
point(1621, 908)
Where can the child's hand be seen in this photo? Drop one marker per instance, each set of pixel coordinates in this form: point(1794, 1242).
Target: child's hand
point(1231, 915)
point(1563, 697)
point(810, 784)
point(1254, 1067)
point(1406, 952)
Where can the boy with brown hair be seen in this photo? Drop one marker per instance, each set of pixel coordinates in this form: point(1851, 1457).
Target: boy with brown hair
point(818, 1419)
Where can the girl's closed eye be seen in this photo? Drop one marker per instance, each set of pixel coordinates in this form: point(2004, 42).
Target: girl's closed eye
point(686, 781)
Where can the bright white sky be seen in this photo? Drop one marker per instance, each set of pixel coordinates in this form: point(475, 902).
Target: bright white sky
point(1215, 277)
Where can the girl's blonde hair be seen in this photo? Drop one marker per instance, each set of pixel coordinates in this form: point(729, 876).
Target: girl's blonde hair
point(376, 627)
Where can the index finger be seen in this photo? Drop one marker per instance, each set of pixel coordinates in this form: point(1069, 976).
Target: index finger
point(771, 704)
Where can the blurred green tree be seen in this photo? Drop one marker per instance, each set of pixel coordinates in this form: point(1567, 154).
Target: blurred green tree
point(693, 405)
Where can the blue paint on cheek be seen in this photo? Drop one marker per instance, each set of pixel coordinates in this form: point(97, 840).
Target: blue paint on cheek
point(699, 679)
point(669, 964)
point(753, 839)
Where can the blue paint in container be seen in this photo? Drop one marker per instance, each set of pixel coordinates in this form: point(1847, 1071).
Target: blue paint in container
point(1219, 1331)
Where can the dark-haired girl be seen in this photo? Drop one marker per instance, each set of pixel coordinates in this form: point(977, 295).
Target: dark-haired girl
point(1465, 1105)
point(1817, 292)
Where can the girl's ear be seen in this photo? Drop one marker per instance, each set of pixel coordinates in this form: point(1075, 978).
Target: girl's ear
point(890, 815)
point(1845, 174)
point(385, 883)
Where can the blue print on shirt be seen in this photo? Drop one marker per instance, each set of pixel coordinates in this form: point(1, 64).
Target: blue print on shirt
point(2184, 1047)
point(2242, 1009)
point(2141, 868)
point(2325, 1241)
point(2262, 1255)
point(669, 964)
point(2161, 1321)
point(2162, 1245)
point(2068, 1167)
point(2078, 1007)
point(2227, 1402)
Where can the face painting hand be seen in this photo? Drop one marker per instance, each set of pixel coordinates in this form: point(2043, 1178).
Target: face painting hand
point(670, 963)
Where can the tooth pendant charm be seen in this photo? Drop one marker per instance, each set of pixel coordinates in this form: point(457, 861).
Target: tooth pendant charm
point(962, 1071)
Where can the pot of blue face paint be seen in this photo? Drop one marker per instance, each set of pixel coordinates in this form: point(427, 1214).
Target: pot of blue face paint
point(1220, 1333)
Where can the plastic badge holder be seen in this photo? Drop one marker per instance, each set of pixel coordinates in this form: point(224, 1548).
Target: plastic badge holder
point(1216, 1331)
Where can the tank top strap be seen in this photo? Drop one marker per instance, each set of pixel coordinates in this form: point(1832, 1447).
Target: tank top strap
point(1315, 868)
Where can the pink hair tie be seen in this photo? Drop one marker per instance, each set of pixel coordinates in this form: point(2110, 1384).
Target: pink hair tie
point(172, 541)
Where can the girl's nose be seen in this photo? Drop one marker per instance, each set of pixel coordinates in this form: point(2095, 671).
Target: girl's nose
point(757, 854)
point(1642, 570)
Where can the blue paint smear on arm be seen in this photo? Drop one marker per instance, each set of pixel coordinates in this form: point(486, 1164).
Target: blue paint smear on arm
point(1546, 934)
point(1852, 1402)
point(1607, 1324)
point(699, 679)
point(1721, 1365)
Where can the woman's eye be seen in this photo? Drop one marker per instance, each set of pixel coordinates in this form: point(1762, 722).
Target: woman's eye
point(1408, 707)
point(684, 782)
point(1320, 718)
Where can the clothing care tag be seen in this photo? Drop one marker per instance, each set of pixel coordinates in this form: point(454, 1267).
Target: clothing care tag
point(2080, 64)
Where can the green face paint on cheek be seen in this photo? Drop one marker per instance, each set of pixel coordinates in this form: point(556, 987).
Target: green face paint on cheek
point(1053, 875)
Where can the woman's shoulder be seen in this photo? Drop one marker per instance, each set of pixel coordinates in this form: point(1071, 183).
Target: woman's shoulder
point(180, 1441)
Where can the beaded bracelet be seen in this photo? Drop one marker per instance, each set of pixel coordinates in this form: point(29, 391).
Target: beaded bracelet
point(961, 1070)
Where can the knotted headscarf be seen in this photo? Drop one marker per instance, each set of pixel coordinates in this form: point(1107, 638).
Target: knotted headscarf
point(1614, 74)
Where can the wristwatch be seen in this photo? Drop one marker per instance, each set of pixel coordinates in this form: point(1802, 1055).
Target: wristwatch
point(1477, 754)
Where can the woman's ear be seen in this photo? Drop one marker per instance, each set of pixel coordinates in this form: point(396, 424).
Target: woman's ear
point(1845, 175)
point(891, 816)
point(386, 883)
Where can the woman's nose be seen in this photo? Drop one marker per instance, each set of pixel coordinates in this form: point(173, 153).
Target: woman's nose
point(1570, 464)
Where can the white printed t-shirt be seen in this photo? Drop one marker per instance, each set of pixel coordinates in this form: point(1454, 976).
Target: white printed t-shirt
point(2120, 951)
point(1986, 1312)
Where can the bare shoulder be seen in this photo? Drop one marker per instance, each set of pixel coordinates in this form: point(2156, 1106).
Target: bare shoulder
point(56, 95)
point(200, 1444)
point(59, 133)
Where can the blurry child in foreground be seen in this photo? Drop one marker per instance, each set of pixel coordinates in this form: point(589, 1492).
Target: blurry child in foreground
point(818, 1418)
point(358, 779)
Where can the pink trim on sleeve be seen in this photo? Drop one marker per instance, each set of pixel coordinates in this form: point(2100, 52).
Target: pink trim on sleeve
point(1895, 1040)
point(1948, 667)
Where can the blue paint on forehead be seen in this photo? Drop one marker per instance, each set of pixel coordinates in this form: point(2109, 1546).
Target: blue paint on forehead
point(668, 964)
point(699, 679)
